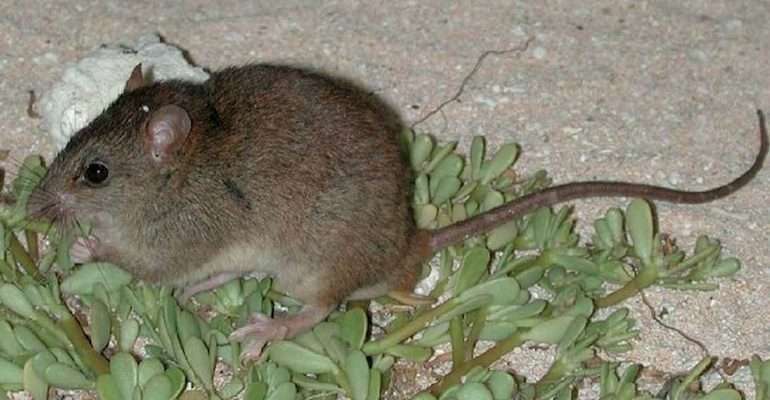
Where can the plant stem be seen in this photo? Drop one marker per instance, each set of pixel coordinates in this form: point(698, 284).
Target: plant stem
point(692, 376)
point(95, 361)
point(458, 343)
point(646, 277)
point(21, 255)
point(484, 360)
point(556, 372)
point(392, 339)
point(479, 320)
point(48, 324)
point(31, 237)
point(689, 262)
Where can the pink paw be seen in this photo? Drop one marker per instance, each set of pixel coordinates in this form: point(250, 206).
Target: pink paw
point(257, 332)
point(83, 249)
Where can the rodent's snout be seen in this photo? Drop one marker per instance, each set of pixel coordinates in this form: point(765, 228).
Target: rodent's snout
point(46, 204)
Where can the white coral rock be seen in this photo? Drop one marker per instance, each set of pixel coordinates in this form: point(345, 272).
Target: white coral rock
point(90, 85)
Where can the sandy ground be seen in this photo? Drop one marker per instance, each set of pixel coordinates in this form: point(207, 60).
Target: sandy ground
point(657, 92)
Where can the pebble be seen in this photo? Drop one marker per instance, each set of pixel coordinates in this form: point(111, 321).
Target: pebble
point(734, 25)
point(675, 178)
point(539, 53)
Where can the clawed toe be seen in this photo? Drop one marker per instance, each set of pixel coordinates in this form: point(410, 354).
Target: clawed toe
point(252, 349)
point(261, 326)
point(261, 329)
point(256, 333)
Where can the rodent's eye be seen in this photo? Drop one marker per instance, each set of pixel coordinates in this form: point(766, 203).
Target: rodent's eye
point(96, 173)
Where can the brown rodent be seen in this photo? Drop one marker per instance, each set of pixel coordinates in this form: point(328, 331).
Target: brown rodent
point(267, 169)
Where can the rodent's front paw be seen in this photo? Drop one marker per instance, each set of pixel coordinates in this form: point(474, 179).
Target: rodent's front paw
point(84, 249)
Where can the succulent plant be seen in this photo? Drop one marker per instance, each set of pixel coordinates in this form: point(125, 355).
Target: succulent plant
point(92, 327)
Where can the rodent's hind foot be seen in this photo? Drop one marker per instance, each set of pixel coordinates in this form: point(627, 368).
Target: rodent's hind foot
point(261, 329)
point(256, 333)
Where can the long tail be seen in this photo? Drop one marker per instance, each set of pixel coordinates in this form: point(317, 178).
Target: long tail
point(491, 219)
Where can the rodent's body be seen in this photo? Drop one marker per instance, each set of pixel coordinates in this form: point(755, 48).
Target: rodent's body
point(267, 169)
point(271, 180)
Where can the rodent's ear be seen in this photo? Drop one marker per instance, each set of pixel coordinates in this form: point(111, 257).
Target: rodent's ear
point(136, 80)
point(166, 131)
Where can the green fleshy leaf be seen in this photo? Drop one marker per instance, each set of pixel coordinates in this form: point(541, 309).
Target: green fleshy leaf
point(305, 382)
point(232, 388)
point(159, 387)
point(8, 343)
point(452, 165)
point(29, 340)
point(300, 359)
point(410, 352)
point(478, 149)
point(255, 391)
point(503, 291)
point(375, 385)
point(284, 391)
point(124, 370)
point(177, 378)
point(474, 266)
point(492, 200)
point(148, 368)
point(502, 385)
point(473, 391)
point(63, 357)
point(502, 160)
point(328, 334)
point(187, 326)
point(425, 215)
point(129, 331)
point(421, 149)
point(34, 384)
point(550, 331)
point(447, 187)
point(108, 388)
point(353, 327)
point(65, 377)
point(10, 373)
point(198, 356)
point(421, 190)
point(101, 322)
point(357, 370)
point(502, 235)
point(640, 227)
point(83, 281)
point(497, 330)
point(310, 341)
point(725, 268)
point(723, 394)
point(13, 298)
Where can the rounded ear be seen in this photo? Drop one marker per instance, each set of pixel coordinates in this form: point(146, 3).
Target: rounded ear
point(136, 80)
point(166, 131)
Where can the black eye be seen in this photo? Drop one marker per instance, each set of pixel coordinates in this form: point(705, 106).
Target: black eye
point(96, 173)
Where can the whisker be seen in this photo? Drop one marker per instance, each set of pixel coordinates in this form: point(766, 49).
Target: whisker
point(80, 227)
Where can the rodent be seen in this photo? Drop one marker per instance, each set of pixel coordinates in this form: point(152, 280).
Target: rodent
point(273, 169)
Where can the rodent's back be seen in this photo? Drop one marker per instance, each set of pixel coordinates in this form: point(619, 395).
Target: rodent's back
point(314, 164)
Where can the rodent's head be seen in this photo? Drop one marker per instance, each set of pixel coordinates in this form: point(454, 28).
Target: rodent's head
point(107, 164)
